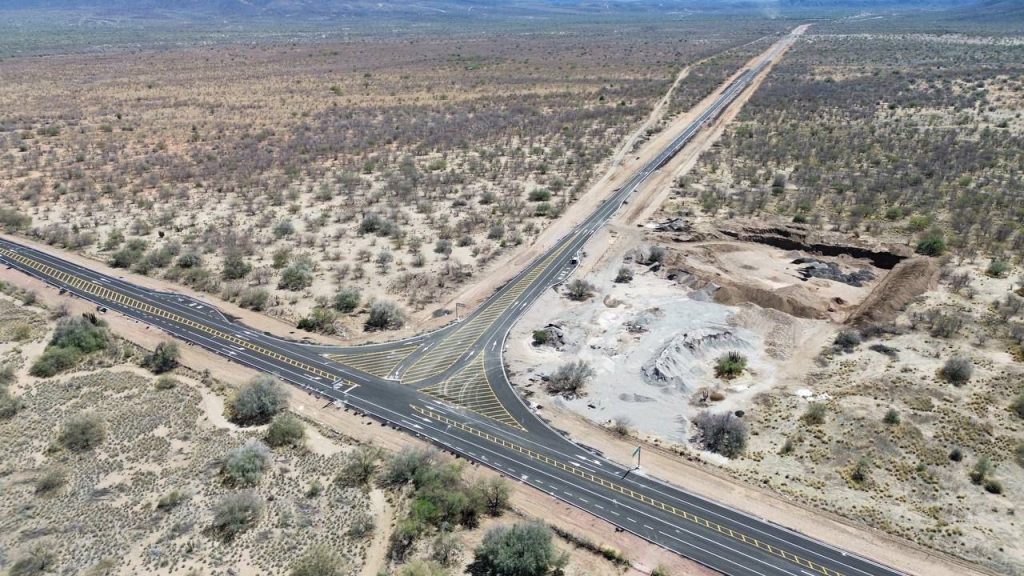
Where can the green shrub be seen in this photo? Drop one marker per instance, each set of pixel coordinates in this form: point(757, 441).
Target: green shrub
point(234, 513)
point(320, 320)
point(347, 300)
point(235, 267)
point(84, 333)
point(579, 290)
point(12, 221)
point(320, 561)
point(254, 299)
point(245, 465)
point(993, 486)
point(385, 315)
point(541, 337)
point(359, 466)
point(730, 365)
point(285, 430)
point(54, 361)
point(861, 471)
point(9, 404)
point(423, 568)
point(163, 358)
point(39, 561)
point(171, 500)
point(982, 468)
point(539, 195)
point(258, 401)
point(624, 275)
point(933, 243)
point(892, 417)
point(82, 432)
point(50, 480)
point(957, 370)
point(166, 382)
point(997, 268)
point(570, 379)
point(722, 433)
point(815, 414)
point(297, 276)
point(524, 549)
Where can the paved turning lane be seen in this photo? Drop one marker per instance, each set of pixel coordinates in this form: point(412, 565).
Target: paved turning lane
point(449, 387)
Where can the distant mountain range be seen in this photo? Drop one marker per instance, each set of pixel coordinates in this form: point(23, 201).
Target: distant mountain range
point(327, 9)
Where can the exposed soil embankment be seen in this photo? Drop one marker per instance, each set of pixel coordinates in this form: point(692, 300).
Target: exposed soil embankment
point(907, 280)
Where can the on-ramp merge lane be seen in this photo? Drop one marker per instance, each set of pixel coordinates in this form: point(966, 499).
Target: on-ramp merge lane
point(719, 537)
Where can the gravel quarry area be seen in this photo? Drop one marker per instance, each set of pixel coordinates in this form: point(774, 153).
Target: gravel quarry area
point(653, 343)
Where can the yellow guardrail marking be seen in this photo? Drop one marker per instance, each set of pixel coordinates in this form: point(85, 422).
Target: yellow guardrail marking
point(824, 571)
point(470, 389)
point(105, 293)
point(448, 352)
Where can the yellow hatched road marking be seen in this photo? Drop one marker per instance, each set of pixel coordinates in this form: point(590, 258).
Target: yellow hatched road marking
point(824, 571)
point(379, 363)
point(471, 390)
point(445, 355)
point(105, 293)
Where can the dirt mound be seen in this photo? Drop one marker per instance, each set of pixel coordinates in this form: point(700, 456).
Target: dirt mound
point(791, 299)
point(908, 279)
point(684, 360)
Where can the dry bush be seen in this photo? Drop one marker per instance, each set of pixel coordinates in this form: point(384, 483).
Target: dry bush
point(258, 401)
point(722, 433)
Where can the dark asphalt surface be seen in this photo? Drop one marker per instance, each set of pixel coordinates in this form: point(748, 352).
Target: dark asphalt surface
point(721, 538)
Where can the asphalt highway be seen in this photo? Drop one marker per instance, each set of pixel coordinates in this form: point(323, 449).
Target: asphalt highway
point(450, 388)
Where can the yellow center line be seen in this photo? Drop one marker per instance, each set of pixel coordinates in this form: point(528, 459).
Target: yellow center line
point(103, 292)
point(773, 550)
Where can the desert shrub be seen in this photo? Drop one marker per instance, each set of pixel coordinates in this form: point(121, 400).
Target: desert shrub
point(861, 471)
point(523, 549)
point(624, 275)
point(171, 500)
point(997, 268)
point(385, 315)
point(541, 337)
point(320, 320)
point(359, 466)
point(423, 568)
point(235, 267)
point(570, 379)
point(166, 382)
point(84, 333)
point(660, 570)
point(320, 561)
point(347, 300)
point(54, 361)
point(957, 370)
point(362, 526)
point(993, 486)
point(847, 340)
point(285, 430)
point(82, 432)
point(284, 228)
point(495, 494)
point(129, 255)
point(892, 417)
point(446, 549)
point(956, 454)
point(234, 513)
point(254, 298)
point(297, 276)
point(539, 195)
point(946, 325)
point(7, 375)
point(1017, 406)
point(622, 426)
point(982, 468)
point(730, 365)
point(11, 220)
point(9, 404)
point(815, 414)
point(164, 358)
point(933, 243)
point(655, 254)
point(258, 401)
point(579, 290)
point(403, 466)
point(39, 561)
point(50, 480)
point(245, 465)
point(722, 433)
point(189, 260)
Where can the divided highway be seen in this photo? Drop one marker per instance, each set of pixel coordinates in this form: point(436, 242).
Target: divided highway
point(449, 387)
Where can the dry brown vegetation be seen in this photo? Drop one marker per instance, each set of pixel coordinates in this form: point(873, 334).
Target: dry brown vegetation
point(276, 176)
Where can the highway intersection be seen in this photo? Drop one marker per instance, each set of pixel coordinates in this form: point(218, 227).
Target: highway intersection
point(450, 388)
